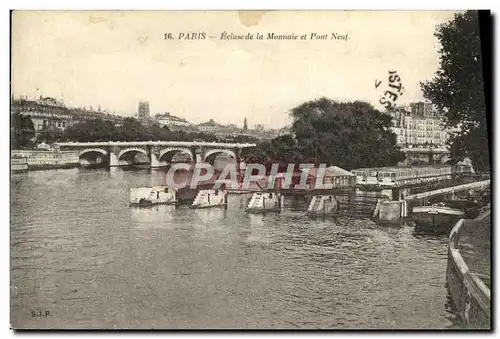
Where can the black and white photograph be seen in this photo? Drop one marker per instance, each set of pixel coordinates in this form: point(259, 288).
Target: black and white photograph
point(250, 170)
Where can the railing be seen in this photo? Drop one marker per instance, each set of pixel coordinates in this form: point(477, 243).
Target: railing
point(463, 187)
point(425, 149)
point(154, 143)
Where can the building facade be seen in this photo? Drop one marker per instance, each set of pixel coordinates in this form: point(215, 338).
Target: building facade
point(232, 130)
point(419, 126)
point(171, 121)
point(423, 110)
point(49, 113)
point(210, 126)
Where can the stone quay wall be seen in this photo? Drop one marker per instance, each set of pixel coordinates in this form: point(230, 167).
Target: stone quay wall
point(471, 297)
point(46, 159)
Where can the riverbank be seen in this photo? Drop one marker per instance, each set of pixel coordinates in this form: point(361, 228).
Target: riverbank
point(468, 272)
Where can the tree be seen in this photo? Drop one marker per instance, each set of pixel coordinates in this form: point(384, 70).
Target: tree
point(200, 136)
point(349, 135)
point(346, 134)
point(90, 130)
point(457, 88)
point(50, 134)
point(22, 130)
point(241, 139)
point(282, 150)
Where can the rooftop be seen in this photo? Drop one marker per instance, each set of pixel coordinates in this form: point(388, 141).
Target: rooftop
point(211, 122)
point(332, 171)
point(169, 116)
point(54, 106)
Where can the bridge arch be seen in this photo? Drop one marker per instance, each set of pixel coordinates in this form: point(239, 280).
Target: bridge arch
point(93, 156)
point(127, 156)
point(212, 154)
point(92, 150)
point(132, 149)
point(168, 153)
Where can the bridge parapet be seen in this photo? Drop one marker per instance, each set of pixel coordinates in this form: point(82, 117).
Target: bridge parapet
point(155, 143)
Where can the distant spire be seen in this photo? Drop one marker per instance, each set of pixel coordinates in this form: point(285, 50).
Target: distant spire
point(245, 126)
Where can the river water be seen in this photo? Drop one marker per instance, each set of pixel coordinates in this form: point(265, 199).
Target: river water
point(82, 258)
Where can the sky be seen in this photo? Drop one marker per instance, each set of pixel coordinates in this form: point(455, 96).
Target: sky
point(114, 59)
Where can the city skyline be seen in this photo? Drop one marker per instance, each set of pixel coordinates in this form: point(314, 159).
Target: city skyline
point(209, 120)
point(196, 80)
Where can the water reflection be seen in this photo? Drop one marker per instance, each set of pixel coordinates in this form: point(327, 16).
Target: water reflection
point(78, 249)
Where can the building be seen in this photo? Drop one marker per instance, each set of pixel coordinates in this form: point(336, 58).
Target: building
point(423, 110)
point(143, 112)
point(258, 127)
point(416, 125)
point(171, 121)
point(333, 175)
point(49, 113)
point(231, 130)
point(210, 126)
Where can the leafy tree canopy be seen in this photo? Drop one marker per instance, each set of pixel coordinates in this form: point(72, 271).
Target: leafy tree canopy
point(130, 130)
point(457, 88)
point(348, 134)
point(22, 131)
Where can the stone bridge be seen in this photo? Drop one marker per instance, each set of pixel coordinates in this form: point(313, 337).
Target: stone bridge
point(159, 153)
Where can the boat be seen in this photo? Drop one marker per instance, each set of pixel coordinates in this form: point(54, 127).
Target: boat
point(323, 206)
point(150, 196)
point(263, 202)
point(471, 207)
point(210, 198)
point(436, 218)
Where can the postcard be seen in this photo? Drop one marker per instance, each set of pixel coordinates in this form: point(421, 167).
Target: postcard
point(250, 170)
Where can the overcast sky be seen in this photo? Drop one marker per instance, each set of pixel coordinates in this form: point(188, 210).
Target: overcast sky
point(115, 59)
